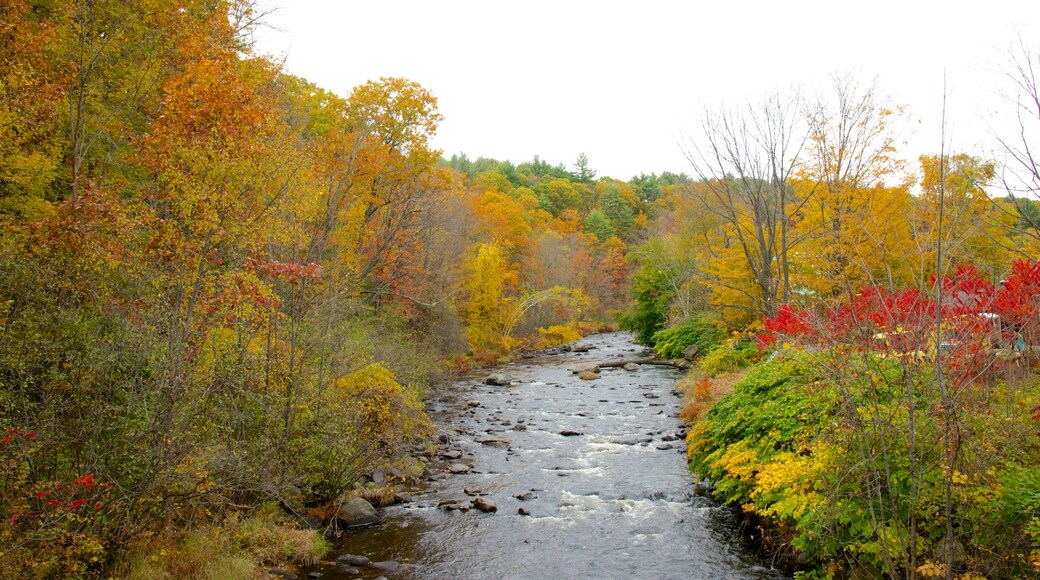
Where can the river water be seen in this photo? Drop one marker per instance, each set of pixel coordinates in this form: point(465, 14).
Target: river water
point(614, 501)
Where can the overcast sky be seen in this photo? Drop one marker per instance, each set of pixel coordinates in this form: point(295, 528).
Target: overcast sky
point(623, 82)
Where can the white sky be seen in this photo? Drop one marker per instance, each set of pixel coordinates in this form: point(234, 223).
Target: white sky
point(624, 81)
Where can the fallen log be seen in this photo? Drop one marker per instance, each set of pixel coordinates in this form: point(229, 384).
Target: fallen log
point(596, 366)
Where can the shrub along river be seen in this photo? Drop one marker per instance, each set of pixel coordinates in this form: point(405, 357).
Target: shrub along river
point(598, 466)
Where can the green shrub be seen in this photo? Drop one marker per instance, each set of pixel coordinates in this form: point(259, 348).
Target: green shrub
point(701, 332)
point(729, 357)
point(653, 295)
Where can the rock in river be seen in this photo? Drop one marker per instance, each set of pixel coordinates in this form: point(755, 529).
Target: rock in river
point(570, 433)
point(354, 560)
point(588, 375)
point(355, 511)
point(484, 505)
point(498, 380)
point(459, 468)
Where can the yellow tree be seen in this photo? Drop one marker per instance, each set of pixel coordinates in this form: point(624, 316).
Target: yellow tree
point(974, 228)
point(844, 188)
point(487, 304)
point(744, 160)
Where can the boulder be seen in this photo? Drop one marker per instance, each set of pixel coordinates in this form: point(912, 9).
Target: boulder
point(498, 380)
point(523, 512)
point(355, 511)
point(354, 560)
point(631, 367)
point(459, 468)
point(691, 352)
point(588, 375)
point(484, 505)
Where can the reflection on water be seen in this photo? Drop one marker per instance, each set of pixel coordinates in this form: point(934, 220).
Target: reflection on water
point(615, 501)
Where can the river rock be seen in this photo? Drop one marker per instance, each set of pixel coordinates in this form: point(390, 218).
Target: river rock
point(387, 566)
point(498, 380)
point(631, 367)
point(588, 375)
point(525, 496)
point(665, 446)
point(496, 443)
point(354, 560)
point(443, 438)
point(355, 511)
point(484, 505)
point(459, 468)
point(519, 427)
point(378, 477)
point(669, 438)
point(592, 367)
point(472, 491)
point(570, 433)
point(349, 570)
point(450, 454)
point(524, 511)
point(472, 403)
point(314, 575)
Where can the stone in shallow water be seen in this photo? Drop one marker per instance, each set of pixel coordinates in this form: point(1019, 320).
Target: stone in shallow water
point(355, 511)
point(570, 433)
point(354, 560)
point(459, 468)
point(387, 566)
point(498, 380)
point(484, 505)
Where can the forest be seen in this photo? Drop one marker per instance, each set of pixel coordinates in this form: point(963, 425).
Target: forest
point(226, 293)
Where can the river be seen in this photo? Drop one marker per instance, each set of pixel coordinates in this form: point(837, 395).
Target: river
point(610, 499)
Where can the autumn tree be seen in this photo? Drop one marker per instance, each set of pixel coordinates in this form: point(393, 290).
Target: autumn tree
point(745, 161)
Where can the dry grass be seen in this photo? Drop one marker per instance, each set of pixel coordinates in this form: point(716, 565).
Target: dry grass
point(700, 392)
point(231, 551)
point(377, 496)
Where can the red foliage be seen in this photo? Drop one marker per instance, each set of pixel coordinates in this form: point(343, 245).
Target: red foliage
point(288, 271)
point(976, 318)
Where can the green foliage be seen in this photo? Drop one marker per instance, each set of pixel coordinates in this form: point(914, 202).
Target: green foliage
point(649, 314)
point(733, 355)
point(782, 445)
point(701, 332)
point(621, 216)
point(598, 224)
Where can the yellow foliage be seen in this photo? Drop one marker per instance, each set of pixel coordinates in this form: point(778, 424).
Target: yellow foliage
point(383, 410)
point(792, 477)
point(557, 334)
